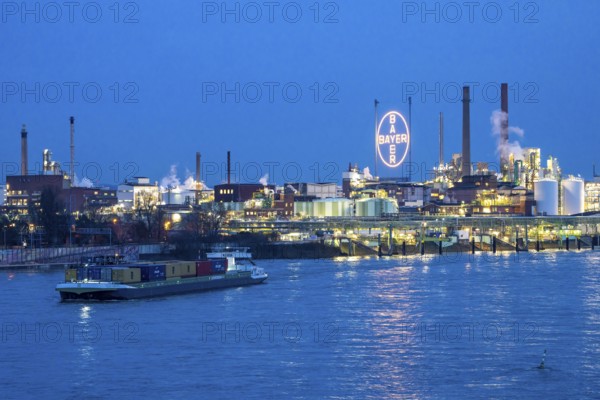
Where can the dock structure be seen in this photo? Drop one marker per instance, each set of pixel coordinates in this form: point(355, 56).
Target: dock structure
point(430, 234)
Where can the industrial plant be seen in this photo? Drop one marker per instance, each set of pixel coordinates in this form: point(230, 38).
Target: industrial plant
point(524, 197)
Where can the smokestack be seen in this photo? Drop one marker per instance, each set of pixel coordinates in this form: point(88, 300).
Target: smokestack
point(198, 170)
point(198, 185)
point(504, 163)
point(46, 161)
point(441, 139)
point(466, 134)
point(24, 150)
point(72, 174)
point(228, 167)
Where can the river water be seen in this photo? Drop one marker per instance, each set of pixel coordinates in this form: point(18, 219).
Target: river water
point(458, 326)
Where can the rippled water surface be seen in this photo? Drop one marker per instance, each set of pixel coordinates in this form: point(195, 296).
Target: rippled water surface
point(349, 328)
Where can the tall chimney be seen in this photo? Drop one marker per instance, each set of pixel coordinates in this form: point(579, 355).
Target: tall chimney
point(228, 167)
point(466, 134)
point(198, 185)
point(72, 174)
point(197, 170)
point(24, 150)
point(441, 161)
point(504, 162)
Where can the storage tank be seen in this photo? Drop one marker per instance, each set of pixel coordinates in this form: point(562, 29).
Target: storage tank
point(375, 207)
point(546, 196)
point(573, 196)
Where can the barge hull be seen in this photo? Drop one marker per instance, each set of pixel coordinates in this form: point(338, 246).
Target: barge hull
point(164, 288)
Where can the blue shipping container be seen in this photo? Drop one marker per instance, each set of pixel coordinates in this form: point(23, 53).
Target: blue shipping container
point(94, 273)
point(152, 272)
point(219, 266)
point(106, 274)
point(81, 273)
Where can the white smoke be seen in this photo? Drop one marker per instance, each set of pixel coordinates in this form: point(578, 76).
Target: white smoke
point(170, 181)
point(84, 183)
point(367, 173)
point(508, 148)
point(264, 180)
point(190, 183)
point(293, 189)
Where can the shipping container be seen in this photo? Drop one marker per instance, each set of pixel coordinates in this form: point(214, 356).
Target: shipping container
point(203, 268)
point(153, 272)
point(81, 273)
point(218, 266)
point(172, 271)
point(179, 269)
point(94, 273)
point(188, 268)
point(126, 275)
point(106, 274)
point(70, 275)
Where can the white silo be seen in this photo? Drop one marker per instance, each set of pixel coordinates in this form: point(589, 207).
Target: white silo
point(545, 193)
point(573, 196)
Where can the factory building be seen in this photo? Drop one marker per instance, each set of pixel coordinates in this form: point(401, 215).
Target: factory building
point(468, 189)
point(281, 206)
point(314, 190)
point(592, 195)
point(138, 193)
point(353, 181)
point(178, 196)
point(239, 192)
point(24, 192)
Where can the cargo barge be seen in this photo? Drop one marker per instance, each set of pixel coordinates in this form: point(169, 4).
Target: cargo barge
point(123, 281)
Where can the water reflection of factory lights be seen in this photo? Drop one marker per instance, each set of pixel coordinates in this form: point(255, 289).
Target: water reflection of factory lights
point(84, 313)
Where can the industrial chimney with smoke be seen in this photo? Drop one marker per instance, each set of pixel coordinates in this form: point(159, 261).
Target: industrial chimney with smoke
point(198, 185)
point(466, 134)
point(24, 150)
point(504, 161)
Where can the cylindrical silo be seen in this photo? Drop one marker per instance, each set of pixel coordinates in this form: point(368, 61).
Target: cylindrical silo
point(573, 196)
point(546, 196)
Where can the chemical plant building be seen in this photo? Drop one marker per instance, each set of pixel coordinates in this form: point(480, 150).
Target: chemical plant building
point(138, 193)
point(523, 185)
point(23, 192)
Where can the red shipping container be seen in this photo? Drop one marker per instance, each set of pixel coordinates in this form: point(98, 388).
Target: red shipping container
point(203, 268)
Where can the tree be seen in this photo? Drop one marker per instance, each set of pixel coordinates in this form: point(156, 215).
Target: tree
point(51, 216)
point(148, 211)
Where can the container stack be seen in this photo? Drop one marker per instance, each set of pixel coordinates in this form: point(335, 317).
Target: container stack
point(146, 272)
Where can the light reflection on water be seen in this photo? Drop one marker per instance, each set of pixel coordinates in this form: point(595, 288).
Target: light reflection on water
point(410, 327)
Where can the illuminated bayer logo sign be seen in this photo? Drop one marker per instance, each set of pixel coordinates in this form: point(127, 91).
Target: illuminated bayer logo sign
point(393, 139)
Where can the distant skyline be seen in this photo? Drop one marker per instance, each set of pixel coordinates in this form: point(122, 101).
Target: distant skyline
point(291, 95)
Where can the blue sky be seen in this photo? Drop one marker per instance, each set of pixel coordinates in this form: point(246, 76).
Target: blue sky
point(161, 77)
